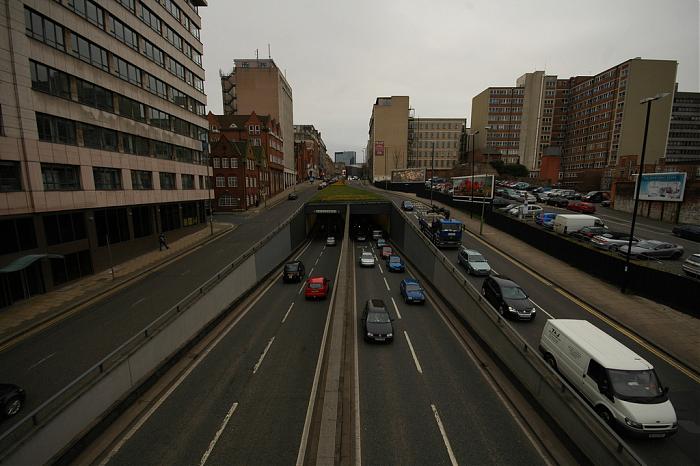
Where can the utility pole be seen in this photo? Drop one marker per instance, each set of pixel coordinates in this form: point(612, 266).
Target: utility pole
point(432, 175)
point(471, 211)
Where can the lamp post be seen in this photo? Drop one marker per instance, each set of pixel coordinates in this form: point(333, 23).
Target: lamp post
point(432, 175)
point(647, 101)
point(471, 212)
point(483, 200)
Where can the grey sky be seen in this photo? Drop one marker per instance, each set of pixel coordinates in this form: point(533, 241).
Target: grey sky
point(340, 55)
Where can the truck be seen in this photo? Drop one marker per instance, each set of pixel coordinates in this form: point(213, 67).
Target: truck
point(443, 232)
point(565, 224)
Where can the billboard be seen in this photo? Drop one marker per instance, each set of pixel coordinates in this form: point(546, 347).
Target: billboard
point(408, 175)
point(379, 148)
point(667, 187)
point(482, 185)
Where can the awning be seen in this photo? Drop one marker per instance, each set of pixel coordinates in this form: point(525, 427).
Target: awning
point(25, 261)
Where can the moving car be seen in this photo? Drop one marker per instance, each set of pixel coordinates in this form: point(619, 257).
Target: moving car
point(317, 288)
point(376, 322)
point(381, 242)
point(580, 206)
point(473, 261)
point(652, 249)
point(12, 399)
point(611, 240)
point(292, 197)
point(394, 263)
point(691, 232)
point(407, 206)
point(330, 241)
point(620, 385)
point(386, 252)
point(367, 259)
point(293, 271)
point(691, 266)
point(508, 298)
point(411, 291)
point(376, 234)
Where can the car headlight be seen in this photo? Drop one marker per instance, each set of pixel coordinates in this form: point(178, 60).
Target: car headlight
point(389, 335)
point(370, 334)
point(511, 309)
point(534, 310)
point(632, 423)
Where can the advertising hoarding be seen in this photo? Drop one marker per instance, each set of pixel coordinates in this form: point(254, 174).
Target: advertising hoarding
point(379, 148)
point(408, 175)
point(483, 188)
point(668, 187)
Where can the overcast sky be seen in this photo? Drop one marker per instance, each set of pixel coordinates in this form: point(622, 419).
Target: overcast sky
point(340, 55)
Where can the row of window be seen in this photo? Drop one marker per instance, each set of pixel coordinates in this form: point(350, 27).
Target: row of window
point(224, 162)
point(232, 182)
point(63, 131)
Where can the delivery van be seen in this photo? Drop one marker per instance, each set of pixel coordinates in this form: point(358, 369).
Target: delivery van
point(566, 224)
point(621, 386)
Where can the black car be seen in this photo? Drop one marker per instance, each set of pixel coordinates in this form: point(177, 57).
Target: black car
point(293, 271)
point(558, 201)
point(376, 322)
point(691, 232)
point(292, 197)
point(11, 399)
point(587, 233)
point(508, 298)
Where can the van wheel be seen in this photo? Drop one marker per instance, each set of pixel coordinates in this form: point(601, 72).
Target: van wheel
point(605, 415)
point(551, 361)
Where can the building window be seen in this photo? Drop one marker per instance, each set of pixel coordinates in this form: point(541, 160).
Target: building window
point(10, 176)
point(17, 235)
point(178, 98)
point(157, 87)
point(128, 4)
point(220, 182)
point(128, 72)
point(142, 219)
point(132, 109)
point(162, 150)
point(111, 225)
point(97, 137)
point(150, 18)
point(141, 180)
point(107, 179)
point(234, 163)
point(183, 154)
point(95, 96)
point(59, 177)
point(176, 68)
point(88, 10)
point(49, 80)
point(44, 30)
point(187, 181)
point(123, 33)
point(227, 200)
point(216, 162)
point(181, 127)
point(167, 181)
point(173, 37)
point(135, 145)
point(232, 182)
point(64, 228)
point(153, 53)
point(89, 52)
point(55, 129)
point(158, 119)
point(224, 162)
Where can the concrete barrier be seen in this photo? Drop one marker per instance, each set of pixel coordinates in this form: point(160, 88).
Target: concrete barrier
point(572, 414)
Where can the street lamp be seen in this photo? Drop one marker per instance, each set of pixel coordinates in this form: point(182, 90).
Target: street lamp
point(647, 101)
point(483, 200)
point(473, 135)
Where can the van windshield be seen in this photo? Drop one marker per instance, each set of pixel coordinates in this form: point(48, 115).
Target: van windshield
point(637, 386)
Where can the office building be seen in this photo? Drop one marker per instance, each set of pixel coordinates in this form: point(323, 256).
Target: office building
point(347, 157)
point(103, 138)
point(442, 134)
point(684, 133)
point(387, 145)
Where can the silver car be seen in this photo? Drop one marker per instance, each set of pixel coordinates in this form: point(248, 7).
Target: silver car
point(473, 261)
point(652, 249)
point(691, 266)
point(611, 240)
point(367, 259)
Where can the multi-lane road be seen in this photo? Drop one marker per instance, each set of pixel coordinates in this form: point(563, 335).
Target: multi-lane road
point(552, 302)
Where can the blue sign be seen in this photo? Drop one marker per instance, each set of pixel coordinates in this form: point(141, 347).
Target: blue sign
point(668, 187)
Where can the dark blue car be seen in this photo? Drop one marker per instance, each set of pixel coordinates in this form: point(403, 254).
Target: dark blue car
point(411, 291)
point(395, 264)
point(544, 217)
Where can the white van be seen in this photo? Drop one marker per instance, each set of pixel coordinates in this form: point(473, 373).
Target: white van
point(621, 386)
point(569, 223)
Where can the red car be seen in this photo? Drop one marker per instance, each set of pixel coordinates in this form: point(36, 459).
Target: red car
point(583, 207)
point(386, 252)
point(317, 287)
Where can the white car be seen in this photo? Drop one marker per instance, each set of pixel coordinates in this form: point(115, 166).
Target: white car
point(367, 259)
point(330, 241)
point(527, 210)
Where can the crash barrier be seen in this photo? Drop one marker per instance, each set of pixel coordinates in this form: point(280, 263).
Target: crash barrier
point(44, 433)
point(572, 414)
point(676, 291)
point(402, 187)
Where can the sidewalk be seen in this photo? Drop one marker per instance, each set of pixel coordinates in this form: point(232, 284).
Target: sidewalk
point(676, 333)
point(37, 310)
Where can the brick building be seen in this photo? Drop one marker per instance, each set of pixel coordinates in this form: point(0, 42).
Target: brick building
point(309, 152)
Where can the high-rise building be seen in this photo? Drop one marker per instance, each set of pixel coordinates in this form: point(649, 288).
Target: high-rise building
point(348, 157)
point(684, 133)
point(387, 146)
point(104, 136)
point(441, 134)
point(258, 85)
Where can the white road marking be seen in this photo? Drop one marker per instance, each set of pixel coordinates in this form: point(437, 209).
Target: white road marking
point(387, 284)
point(137, 301)
point(316, 263)
point(302, 288)
point(212, 444)
point(413, 353)
point(396, 308)
point(541, 309)
point(380, 268)
point(311, 271)
point(451, 454)
point(44, 359)
point(262, 356)
point(288, 311)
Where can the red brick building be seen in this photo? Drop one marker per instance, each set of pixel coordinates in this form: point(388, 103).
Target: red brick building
point(247, 159)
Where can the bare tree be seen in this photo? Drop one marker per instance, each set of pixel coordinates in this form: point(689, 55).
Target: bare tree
point(397, 155)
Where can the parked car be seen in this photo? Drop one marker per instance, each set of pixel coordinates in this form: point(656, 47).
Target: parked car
point(596, 196)
point(611, 240)
point(548, 224)
point(292, 196)
point(691, 266)
point(386, 252)
point(367, 259)
point(526, 210)
point(565, 224)
point(330, 241)
point(691, 232)
point(407, 206)
point(522, 195)
point(381, 242)
point(558, 201)
point(509, 193)
point(293, 271)
point(508, 207)
point(317, 288)
point(12, 399)
point(587, 233)
point(394, 263)
point(473, 261)
point(508, 298)
point(376, 322)
point(580, 206)
point(542, 217)
point(499, 202)
point(652, 249)
point(411, 291)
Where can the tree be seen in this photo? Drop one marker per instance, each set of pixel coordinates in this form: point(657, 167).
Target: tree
point(515, 170)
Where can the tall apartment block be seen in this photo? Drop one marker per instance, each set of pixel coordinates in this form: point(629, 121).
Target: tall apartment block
point(442, 134)
point(348, 157)
point(102, 144)
point(387, 145)
point(684, 133)
point(258, 85)
point(590, 121)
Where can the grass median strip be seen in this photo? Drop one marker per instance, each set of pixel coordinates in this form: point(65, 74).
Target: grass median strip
point(344, 193)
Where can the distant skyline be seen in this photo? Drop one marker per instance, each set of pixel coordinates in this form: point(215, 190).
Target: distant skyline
point(340, 56)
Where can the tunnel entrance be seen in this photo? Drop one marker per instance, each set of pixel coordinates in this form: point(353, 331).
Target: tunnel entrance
point(325, 219)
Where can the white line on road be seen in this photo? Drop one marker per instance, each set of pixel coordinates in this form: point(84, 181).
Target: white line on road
point(413, 353)
point(540, 308)
point(302, 288)
point(212, 444)
point(262, 356)
point(387, 284)
point(380, 268)
point(288, 311)
point(398, 314)
point(137, 301)
point(311, 271)
point(316, 263)
point(453, 460)
point(40, 361)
